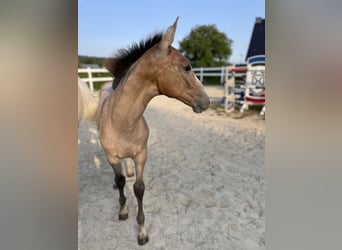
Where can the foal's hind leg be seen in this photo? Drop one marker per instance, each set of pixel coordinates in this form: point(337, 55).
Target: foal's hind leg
point(129, 167)
point(120, 182)
point(139, 188)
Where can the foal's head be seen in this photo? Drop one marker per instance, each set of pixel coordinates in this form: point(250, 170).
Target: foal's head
point(174, 75)
point(158, 63)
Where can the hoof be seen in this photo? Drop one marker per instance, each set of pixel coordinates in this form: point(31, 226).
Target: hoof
point(143, 241)
point(123, 216)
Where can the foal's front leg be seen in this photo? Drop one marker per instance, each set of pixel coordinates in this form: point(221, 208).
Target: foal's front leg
point(120, 182)
point(139, 188)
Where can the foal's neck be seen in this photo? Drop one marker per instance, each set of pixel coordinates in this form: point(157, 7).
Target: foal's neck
point(131, 99)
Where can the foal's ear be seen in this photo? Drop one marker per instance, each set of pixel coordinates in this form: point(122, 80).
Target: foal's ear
point(165, 43)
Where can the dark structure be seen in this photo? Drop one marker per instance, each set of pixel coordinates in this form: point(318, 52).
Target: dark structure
point(257, 43)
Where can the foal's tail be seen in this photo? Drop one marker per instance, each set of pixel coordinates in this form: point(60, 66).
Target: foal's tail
point(87, 102)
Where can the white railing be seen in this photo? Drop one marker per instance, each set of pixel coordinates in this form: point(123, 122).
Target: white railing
point(212, 71)
point(200, 72)
point(92, 79)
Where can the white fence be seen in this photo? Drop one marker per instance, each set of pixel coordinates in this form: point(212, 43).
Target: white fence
point(92, 79)
point(200, 72)
point(213, 71)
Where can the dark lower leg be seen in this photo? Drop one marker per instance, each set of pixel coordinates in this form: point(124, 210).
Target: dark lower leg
point(120, 182)
point(139, 189)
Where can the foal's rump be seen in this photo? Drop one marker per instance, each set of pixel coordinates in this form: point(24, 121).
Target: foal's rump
point(87, 102)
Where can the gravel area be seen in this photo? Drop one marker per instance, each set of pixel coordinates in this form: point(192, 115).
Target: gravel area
point(204, 178)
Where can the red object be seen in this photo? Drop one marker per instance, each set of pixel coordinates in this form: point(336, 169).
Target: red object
point(255, 100)
point(239, 70)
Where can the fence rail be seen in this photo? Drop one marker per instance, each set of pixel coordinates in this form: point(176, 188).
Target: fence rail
point(92, 79)
point(200, 72)
point(213, 71)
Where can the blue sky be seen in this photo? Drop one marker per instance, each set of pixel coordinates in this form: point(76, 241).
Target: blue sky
point(107, 25)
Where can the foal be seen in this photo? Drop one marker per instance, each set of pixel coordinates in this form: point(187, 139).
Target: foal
point(140, 73)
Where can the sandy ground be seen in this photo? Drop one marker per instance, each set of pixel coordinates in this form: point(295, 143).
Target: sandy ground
point(204, 178)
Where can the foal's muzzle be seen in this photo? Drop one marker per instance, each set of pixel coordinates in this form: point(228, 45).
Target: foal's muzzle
point(201, 103)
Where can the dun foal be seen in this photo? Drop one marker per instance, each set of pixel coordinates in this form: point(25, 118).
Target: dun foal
point(142, 72)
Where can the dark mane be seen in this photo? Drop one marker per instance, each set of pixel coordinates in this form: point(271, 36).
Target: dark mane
point(124, 58)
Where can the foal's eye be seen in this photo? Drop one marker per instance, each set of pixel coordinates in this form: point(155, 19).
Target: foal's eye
point(187, 68)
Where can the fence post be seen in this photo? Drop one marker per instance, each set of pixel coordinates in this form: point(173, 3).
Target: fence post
point(201, 74)
point(222, 74)
point(90, 76)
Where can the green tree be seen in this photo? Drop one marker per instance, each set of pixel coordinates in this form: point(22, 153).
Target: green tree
point(206, 46)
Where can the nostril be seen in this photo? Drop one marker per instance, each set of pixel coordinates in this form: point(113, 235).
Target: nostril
point(208, 102)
